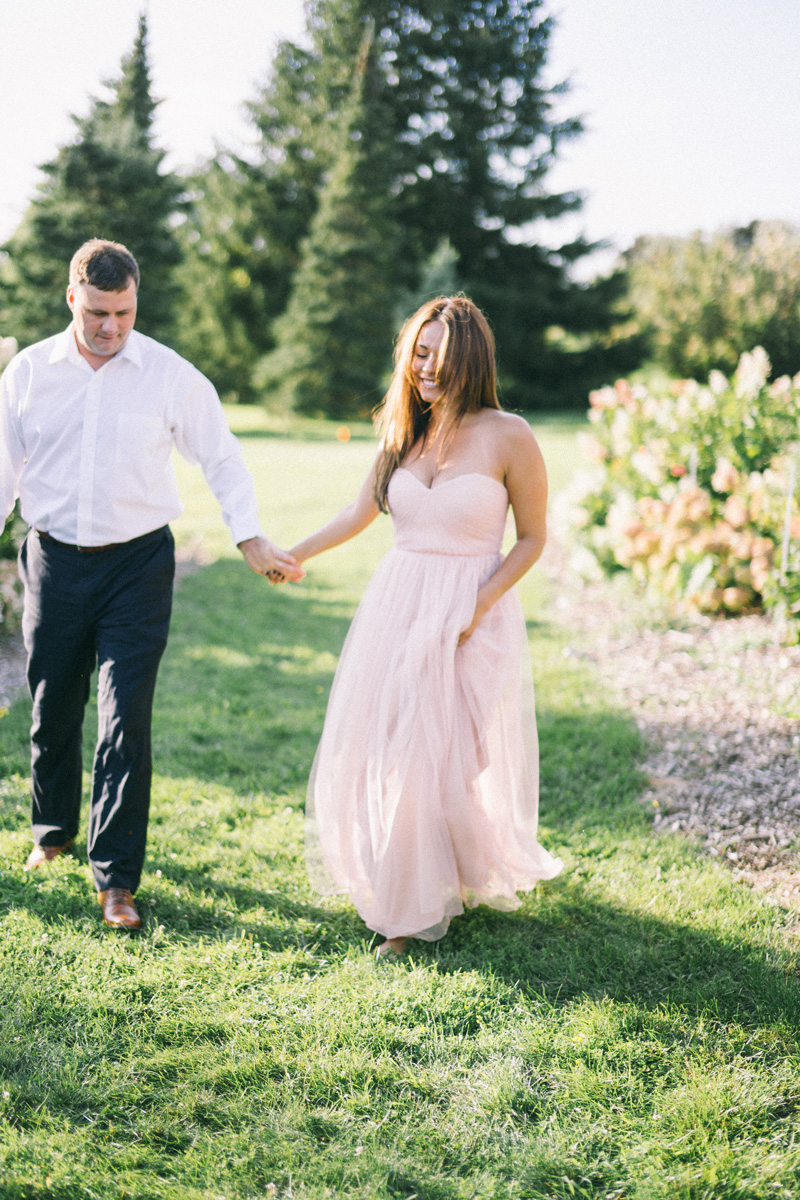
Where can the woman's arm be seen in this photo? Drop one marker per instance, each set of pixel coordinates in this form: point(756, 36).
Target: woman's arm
point(526, 483)
point(345, 525)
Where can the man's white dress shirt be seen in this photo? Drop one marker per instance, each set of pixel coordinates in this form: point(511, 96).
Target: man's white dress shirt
point(88, 452)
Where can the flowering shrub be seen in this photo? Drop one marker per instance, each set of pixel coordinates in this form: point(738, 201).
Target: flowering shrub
point(689, 490)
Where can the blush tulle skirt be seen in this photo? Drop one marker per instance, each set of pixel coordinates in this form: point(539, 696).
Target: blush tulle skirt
point(423, 797)
point(423, 792)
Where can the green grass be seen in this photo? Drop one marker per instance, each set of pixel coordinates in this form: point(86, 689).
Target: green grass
point(630, 1031)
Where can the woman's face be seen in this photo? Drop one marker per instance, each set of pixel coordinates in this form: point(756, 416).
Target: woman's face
point(424, 360)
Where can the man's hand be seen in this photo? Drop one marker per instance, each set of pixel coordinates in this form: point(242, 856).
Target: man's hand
point(266, 559)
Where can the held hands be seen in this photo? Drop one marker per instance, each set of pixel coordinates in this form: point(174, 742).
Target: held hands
point(263, 557)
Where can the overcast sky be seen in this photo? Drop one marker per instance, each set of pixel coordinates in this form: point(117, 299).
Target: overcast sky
point(692, 107)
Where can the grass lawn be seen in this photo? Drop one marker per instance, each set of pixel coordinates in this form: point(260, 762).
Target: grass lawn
point(630, 1031)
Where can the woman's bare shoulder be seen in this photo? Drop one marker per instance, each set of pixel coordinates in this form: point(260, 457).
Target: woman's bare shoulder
point(502, 419)
point(508, 428)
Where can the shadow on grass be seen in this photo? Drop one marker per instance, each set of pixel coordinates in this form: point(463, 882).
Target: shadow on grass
point(580, 947)
point(575, 947)
point(218, 912)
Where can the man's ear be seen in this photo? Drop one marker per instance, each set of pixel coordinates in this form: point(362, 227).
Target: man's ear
point(71, 297)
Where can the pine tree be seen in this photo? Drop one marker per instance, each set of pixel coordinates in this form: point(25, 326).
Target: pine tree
point(241, 240)
point(233, 280)
point(438, 276)
point(468, 132)
point(335, 337)
point(106, 183)
point(133, 97)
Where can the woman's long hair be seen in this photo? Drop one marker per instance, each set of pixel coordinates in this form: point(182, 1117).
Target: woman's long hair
point(465, 375)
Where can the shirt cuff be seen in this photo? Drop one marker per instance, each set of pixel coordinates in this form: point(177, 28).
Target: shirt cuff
point(242, 531)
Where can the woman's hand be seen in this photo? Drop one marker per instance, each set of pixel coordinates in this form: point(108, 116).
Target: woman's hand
point(481, 609)
point(279, 576)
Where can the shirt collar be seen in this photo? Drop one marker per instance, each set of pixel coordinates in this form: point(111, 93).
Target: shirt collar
point(132, 350)
point(65, 348)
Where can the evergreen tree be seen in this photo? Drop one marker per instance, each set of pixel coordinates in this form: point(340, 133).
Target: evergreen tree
point(335, 336)
point(233, 280)
point(133, 98)
point(461, 133)
point(438, 276)
point(241, 241)
point(106, 183)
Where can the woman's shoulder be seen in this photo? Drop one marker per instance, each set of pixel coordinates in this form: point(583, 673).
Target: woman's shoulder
point(506, 426)
point(501, 418)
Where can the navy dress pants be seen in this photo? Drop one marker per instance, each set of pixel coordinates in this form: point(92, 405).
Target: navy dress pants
point(110, 608)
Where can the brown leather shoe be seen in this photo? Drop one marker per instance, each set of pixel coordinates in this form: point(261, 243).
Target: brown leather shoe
point(40, 855)
point(119, 911)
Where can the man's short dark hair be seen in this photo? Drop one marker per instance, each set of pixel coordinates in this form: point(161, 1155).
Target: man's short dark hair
point(108, 266)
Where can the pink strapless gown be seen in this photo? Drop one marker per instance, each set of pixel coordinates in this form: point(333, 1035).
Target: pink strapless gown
point(423, 797)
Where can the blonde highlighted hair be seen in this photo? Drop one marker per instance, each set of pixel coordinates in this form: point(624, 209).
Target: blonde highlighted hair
point(465, 375)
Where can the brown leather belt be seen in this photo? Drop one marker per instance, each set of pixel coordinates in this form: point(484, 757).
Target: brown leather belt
point(48, 537)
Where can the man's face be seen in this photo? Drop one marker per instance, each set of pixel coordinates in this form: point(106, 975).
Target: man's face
point(102, 320)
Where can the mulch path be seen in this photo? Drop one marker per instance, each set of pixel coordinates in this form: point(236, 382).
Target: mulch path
point(718, 703)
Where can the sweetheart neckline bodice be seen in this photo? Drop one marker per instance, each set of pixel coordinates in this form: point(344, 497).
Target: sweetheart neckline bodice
point(469, 519)
point(452, 479)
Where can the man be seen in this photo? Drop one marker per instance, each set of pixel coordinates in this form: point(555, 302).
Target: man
point(89, 420)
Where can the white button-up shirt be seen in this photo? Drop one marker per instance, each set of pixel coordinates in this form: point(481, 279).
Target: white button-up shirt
point(88, 452)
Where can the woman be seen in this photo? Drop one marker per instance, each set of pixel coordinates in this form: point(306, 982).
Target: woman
point(424, 791)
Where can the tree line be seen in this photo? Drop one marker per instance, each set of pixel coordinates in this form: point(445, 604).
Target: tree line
point(401, 151)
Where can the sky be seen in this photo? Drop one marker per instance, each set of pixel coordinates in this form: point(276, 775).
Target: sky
point(691, 107)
